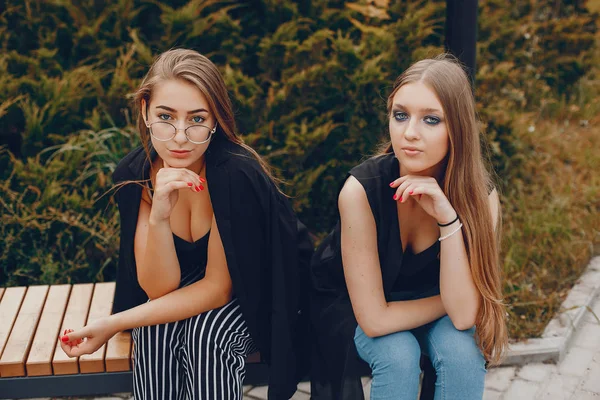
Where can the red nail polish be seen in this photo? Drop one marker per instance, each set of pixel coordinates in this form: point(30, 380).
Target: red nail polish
point(411, 192)
point(391, 184)
point(65, 339)
point(395, 197)
point(190, 184)
point(65, 332)
point(201, 187)
point(202, 180)
point(400, 198)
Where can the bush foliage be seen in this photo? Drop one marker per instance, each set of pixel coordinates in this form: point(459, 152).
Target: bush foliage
point(308, 79)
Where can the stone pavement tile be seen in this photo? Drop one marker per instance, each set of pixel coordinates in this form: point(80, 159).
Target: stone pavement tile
point(588, 335)
point(576, 361)
point(258, 392)
point(491, 395)
point(592, 378)
point(367, 389)
point(559, 387)
point(583, 395)
point(522, 390)
point(536, 372)
point(304, 387)
point(300, 396)
point(499, 378)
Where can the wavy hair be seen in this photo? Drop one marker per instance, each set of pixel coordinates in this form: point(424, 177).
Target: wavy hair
point(192, 67)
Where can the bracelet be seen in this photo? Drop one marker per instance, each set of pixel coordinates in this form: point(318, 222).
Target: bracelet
point(452, 233)
point(449, 223)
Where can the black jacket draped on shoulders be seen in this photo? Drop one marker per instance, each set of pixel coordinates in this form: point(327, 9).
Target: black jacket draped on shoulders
point(337, 367)
point(267, 250)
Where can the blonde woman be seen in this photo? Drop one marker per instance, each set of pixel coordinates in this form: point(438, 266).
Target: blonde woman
point(210, 259)
point(412, 267)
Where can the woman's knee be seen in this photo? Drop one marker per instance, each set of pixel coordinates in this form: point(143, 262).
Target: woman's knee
point(397, 352)
point(449, 347)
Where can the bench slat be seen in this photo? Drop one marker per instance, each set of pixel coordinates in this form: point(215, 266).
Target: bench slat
point(9, 307)
point(102, 302)
point(75, 317)
point(13, 358)
point(1, 292)
point(39, 361)
point(118, 352)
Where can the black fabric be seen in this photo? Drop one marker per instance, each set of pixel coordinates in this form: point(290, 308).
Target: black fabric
point(192, 258)
point(405, 276)
point(267, 250)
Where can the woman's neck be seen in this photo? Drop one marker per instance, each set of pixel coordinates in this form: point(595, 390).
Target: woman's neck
point(198, 166)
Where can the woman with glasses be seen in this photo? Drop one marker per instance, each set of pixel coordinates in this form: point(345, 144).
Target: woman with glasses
point(211, 254)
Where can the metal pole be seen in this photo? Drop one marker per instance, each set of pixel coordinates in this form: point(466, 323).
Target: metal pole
point(461, 32)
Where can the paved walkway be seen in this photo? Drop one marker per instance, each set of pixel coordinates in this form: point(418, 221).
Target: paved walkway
point(576, 377)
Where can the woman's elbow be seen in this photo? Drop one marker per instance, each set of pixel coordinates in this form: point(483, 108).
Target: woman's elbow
point(464, 321)
point(371, 328)
point(224, 297)
point(222, 292)
point(154, 290)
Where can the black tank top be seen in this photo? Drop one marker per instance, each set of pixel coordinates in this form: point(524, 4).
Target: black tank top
point(410, 276)
point(192, 258)
point(406, 276)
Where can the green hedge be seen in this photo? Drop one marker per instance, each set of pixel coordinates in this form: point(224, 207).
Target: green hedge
point(308, 78)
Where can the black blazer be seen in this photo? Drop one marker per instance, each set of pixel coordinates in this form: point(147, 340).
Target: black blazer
point(267, 250)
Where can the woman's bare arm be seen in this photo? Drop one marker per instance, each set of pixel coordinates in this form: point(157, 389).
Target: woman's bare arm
point(362, 271)
point(213, 291)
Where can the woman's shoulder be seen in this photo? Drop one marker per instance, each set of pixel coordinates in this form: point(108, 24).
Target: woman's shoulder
point(375, 170)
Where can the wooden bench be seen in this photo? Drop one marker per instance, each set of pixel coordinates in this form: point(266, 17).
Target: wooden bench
point(32, 363)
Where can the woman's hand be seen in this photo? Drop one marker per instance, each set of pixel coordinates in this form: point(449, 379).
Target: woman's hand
point(87, 339)
point(166, 193)
point(427, 193)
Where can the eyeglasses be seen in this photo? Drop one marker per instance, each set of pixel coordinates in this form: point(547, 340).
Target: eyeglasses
point(165, 131)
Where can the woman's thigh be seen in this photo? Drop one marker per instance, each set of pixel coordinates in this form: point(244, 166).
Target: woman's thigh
point(216, 345)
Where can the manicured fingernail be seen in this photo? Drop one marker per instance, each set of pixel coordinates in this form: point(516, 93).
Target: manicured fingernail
point(65, 339)
point(65, 332)
point(400, 198)
point(411, 192)
point(395, 197)
point(392, 184)
point(190, 184)
point(201, 187)
point(202, 180)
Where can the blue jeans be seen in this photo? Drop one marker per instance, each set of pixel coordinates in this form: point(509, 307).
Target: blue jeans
point(394, 361)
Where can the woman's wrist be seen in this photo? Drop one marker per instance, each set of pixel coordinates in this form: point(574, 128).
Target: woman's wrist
point(157, 222)
point(448, 219)
point(117, 323)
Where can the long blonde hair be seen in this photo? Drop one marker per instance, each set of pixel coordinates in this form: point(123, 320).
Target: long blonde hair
point(466, 184)
point(194, 68)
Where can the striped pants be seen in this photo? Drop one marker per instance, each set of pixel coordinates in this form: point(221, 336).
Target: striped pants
point(201, 357)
